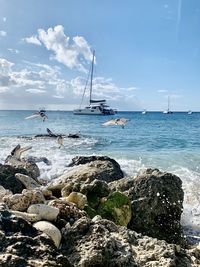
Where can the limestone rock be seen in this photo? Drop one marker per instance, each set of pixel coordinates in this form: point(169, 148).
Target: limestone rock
point(44, 211)
point(51, 230)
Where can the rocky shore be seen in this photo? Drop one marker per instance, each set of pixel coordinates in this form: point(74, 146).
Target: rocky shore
point(92, 216)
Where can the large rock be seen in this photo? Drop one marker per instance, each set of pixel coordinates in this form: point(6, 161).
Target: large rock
point(87, 243)
point(83, 160)
point(100, 243)
point(32, 169)
point(103, 170)
point(157, 203)
point(21, 245)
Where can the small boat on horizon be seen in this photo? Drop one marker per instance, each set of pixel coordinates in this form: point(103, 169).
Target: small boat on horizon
point(144, 111)
point(168, 111)
point(95, 107)
point(189, 112)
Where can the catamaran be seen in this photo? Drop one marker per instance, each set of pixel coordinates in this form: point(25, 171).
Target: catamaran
point(95, 107)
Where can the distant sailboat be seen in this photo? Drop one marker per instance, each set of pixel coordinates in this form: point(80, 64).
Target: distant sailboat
point(189, 112)
point(95, 107)
point(168, 111)
point(144, 111)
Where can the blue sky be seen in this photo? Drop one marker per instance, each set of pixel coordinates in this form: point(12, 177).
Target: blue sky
point(145, 51)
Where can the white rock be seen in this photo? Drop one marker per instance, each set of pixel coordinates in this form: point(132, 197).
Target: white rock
point(27, 181)
point(44, 211)
point(51, 230)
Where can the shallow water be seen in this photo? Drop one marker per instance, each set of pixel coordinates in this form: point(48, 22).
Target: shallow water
point(168, 142)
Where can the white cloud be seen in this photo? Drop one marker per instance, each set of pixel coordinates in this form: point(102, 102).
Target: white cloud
point(40, 84)
point(162, 91)
point(35, 91)
point(13, 50)
point(4, 19)
point(3, 33)
point(74, 53)
point(32, 40)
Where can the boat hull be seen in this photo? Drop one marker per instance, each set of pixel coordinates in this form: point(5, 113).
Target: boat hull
point(93, 112)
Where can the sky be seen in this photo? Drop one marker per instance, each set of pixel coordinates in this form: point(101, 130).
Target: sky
point(145, 51)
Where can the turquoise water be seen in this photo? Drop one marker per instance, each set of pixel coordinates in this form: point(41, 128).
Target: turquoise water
point(169, 142)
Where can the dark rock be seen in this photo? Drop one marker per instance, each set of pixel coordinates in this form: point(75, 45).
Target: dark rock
point(32, 169)
point(39, 159)
point(8, 180)
point(22, 245)
point(157, 203)
point(83, 160)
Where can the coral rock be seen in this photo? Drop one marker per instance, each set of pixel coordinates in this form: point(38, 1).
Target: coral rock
point(79, 199)
point(51, 230)
point(22, 201)
point(44, 211)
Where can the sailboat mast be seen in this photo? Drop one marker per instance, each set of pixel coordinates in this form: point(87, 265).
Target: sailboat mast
point(168, 104)
point(91, 78)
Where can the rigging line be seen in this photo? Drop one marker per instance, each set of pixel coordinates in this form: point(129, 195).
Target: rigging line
point(85, 87)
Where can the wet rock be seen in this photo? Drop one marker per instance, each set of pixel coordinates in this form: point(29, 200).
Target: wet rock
point(157, 203)
point(32, 169)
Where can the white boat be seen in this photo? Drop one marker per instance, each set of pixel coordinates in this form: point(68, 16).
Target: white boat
point(95, 107)
point(189, 112)
point(144, 111)
point(168, 111)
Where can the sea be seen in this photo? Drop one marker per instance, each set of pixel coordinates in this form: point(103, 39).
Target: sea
point(169, 142)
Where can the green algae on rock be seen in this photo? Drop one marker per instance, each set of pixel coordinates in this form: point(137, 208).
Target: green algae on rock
point(116, 208)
